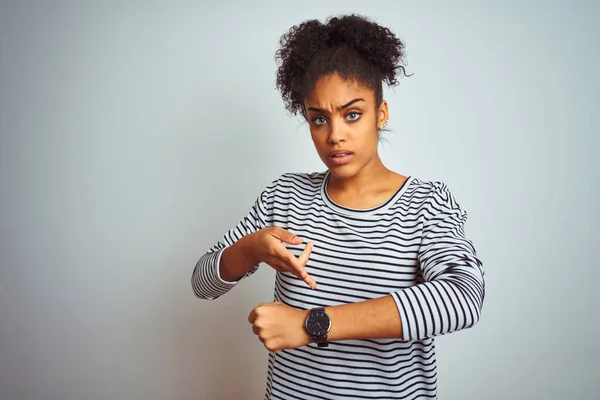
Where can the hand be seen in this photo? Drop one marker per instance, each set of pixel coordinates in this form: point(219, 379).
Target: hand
point(279, 326)
point(269, 248)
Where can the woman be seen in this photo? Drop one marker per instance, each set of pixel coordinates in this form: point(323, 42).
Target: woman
point(371, 264)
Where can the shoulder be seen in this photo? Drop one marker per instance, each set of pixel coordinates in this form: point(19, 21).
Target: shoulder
point(432, 197)
point(298, 182)
point(436, 190)
point(303, 180)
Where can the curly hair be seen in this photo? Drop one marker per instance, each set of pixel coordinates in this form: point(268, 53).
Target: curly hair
point(352, 46)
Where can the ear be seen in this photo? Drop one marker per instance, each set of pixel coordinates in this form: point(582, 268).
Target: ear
point(382, 114)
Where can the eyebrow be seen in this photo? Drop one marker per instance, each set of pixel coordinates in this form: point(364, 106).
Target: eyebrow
point(340, 108)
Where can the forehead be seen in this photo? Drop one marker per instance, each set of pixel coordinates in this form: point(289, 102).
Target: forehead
point(335, 90)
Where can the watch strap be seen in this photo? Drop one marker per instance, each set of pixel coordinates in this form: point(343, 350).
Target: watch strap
point(321, 341)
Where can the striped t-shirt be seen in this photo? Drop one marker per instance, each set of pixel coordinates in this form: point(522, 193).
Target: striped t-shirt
point(412, 247)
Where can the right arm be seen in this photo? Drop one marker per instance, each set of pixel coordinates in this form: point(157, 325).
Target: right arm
point(238, 259)
point(239, 252)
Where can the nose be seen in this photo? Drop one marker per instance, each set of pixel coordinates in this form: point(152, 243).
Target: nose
point(336, 133)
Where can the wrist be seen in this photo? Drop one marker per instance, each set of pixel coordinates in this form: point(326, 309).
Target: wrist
point(238, 259)
point(248, 244)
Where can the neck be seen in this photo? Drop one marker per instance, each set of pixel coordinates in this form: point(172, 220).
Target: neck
point(369, 177)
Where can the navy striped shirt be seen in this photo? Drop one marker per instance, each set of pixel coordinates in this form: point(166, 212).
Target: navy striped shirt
point(412, 247)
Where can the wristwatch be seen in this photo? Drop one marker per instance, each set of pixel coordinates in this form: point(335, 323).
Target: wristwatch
point(317, 325)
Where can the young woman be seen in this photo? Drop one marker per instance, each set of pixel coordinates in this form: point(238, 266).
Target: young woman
point(371, 265)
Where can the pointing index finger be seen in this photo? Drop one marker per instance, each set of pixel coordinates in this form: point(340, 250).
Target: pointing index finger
point(298, 269)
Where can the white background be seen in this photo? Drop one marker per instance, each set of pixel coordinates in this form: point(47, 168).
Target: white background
point(134, 134)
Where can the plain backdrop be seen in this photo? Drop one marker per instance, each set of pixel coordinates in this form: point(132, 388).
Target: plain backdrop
point(134, 134)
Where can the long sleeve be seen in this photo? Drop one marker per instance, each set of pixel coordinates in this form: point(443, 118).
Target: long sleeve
point(206, 280)
point(451, 295)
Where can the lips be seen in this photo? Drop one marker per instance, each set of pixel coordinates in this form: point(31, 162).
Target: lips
point(339, 153)
point(340, 157)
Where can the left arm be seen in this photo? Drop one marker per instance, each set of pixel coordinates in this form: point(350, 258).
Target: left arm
point(281, 327)
point(449, 299)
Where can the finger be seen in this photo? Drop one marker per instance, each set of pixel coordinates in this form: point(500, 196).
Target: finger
point(256, 330)
point(303, 258)
point(252, 316)
point(287, 237)
point(297, 269)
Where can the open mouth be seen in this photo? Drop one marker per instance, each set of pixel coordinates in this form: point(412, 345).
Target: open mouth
point(341, 158)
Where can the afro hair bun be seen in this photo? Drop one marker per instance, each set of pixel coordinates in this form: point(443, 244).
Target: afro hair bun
point(377, 55)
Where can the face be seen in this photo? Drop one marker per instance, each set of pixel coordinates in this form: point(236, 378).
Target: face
point(344, 124)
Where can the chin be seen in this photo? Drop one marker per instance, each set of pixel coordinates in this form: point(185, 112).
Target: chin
point(343, 172)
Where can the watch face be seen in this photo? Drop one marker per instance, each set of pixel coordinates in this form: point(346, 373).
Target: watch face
point(318, 323)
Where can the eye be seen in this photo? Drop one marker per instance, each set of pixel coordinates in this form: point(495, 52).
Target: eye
point(319, 121)
point(353, 116)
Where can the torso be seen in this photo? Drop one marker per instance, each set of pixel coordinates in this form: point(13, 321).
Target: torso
point(363, 249)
